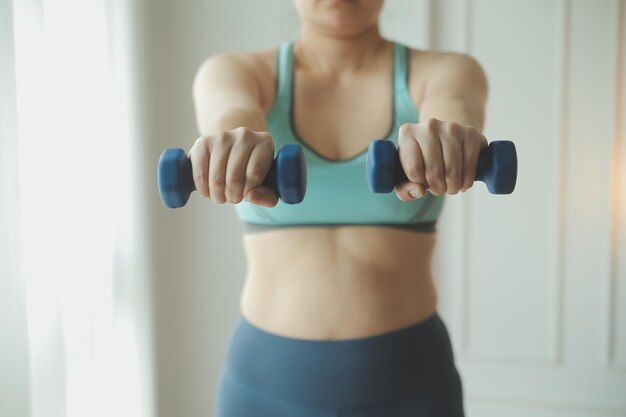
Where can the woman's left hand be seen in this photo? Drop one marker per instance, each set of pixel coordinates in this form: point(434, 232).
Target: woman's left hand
point(438, 156)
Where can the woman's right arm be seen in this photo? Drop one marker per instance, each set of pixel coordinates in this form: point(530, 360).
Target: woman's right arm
point(234, 152)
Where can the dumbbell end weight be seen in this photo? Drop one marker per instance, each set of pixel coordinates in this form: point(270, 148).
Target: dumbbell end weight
point(382, 168)
point(174, 177)
point(497, 167)
point(288, 174)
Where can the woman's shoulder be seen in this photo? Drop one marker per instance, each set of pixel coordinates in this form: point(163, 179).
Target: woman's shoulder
point(258, 67)
point(428, 61)
point(427, 66)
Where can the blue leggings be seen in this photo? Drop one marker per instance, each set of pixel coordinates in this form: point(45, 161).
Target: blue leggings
point(408, 372)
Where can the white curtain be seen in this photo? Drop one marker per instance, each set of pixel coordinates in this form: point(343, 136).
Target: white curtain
point(76, 334)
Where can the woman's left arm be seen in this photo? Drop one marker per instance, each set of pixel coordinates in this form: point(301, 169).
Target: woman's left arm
point(440, 153)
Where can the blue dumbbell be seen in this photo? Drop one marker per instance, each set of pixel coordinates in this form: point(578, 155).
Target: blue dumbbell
point(287, 176)
point(497, 167)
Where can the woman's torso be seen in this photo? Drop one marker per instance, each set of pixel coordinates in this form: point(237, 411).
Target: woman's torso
point(343, 281)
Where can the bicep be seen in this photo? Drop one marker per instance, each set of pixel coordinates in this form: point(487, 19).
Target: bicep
point(456, 91)
point(226, 95)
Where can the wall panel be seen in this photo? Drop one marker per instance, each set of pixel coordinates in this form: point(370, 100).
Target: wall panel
point(533, 285)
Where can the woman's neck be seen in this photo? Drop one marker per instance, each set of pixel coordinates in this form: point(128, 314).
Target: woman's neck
point(326, 54)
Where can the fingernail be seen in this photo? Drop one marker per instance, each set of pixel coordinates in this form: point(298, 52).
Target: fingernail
point(415, 193)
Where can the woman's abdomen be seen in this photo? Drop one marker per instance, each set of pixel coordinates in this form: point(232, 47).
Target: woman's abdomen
point(338, 283)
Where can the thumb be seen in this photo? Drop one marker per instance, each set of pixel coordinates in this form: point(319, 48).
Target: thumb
point(263, 196)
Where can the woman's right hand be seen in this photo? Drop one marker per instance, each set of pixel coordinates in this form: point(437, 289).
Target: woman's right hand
point(229, 166)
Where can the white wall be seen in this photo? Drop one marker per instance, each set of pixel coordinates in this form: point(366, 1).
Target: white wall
point(531, 285)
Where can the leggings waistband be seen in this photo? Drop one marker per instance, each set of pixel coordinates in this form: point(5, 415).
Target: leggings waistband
point(340, 373)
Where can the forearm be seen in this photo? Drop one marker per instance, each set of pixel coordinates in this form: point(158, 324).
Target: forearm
point(226, 95)
point(456, 92)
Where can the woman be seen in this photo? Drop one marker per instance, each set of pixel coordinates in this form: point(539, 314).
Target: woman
point(339, 306)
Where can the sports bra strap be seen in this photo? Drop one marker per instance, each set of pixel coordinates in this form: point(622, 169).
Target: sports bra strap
point(285, 70)
point(400, 67)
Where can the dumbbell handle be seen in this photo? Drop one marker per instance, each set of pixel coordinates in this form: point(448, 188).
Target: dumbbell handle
point(287, 176)
point(497, 167)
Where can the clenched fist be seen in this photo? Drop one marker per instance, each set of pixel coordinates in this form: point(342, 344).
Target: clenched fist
point(229, 166)
point(437, 156)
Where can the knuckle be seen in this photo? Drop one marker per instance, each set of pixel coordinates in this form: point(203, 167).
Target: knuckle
point(432, 125)
point(218, 196)
point(200, 142)
point(405, 130)
point(473, 136)
point(200, 183)
point(235, 181)
point(256, 175)
point(194, 155)
point(403, 139)
point(218, 181)
point(235, 199)
point(265, 137)
point(221, 139)
point(199, 176)
point(453, 172)
point(252, 139)
point(454, 129)
point(242, 132)
point(199, 179)
point(234, 193)
point(473, 132)
point(265, 140)
point(434, 175)
point(412, 171)
point(453, 177)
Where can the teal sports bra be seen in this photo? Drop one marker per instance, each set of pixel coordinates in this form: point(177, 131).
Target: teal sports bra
point(337, 191)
